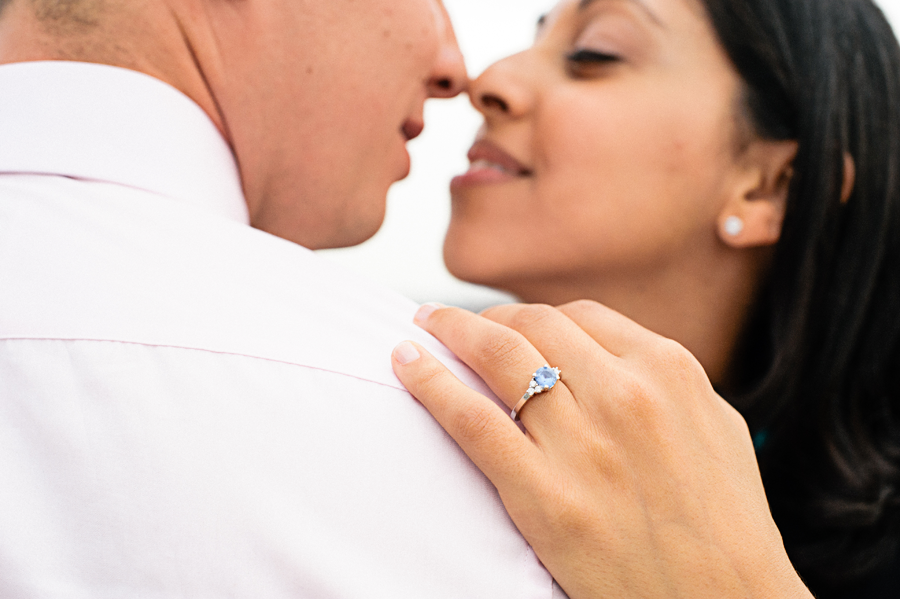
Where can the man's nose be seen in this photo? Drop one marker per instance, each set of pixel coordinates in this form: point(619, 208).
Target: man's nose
point(448, 76)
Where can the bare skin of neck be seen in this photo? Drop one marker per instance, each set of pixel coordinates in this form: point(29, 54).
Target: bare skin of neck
point(702, 304)
point(161, 39)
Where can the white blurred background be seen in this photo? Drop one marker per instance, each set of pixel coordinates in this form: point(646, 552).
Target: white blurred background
point(406, 253)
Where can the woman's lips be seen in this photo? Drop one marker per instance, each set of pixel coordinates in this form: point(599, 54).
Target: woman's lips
point(489, 163)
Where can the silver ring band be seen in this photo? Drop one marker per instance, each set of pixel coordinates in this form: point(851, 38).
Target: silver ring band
point(542, 380)
point(515, 411)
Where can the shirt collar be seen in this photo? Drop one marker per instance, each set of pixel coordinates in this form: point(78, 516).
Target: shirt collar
point(104, 123)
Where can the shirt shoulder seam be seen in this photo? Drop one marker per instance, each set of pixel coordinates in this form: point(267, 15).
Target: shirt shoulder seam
point(209, 351)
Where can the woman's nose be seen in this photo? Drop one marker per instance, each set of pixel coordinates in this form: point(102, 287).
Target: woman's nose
point(448, 77)
point(502, 91)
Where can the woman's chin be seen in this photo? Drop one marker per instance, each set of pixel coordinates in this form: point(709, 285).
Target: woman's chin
point(475, 271)
point(472, 268)
point(487, 258)
point(469, 271)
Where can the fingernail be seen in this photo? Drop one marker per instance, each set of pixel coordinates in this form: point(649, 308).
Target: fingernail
point(427, 310)
point(405, 353)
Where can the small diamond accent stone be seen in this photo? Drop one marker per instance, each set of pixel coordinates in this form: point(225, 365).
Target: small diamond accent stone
point(546, 377)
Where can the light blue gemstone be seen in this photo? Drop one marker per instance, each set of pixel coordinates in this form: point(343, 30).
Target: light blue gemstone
point(545, 377)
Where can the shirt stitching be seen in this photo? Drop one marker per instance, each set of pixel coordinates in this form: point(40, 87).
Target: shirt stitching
point(211, 351)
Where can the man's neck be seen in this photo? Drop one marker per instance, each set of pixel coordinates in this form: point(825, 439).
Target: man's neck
point(150, 37)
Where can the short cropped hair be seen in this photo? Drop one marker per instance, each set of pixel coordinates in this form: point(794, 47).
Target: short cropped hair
point(77, 12)
point(67, 12)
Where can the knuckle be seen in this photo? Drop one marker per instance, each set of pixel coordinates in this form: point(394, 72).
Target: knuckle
point(446, 316)
point(582, 306)
point(737, 419)
point(494, 312)
point(595, 445)
point(566, 508)
point(641, 401)
point(430, 381)
point(531, 315)
point(501, 347)
point(473, 425)
point(669, 378)
point(673, 359)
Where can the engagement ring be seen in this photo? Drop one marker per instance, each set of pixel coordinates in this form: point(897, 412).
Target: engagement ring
point(542, 380)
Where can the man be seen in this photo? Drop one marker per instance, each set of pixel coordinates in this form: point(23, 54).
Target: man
point(191, 407)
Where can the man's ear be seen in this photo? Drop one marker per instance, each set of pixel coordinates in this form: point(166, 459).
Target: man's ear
point(754, 211)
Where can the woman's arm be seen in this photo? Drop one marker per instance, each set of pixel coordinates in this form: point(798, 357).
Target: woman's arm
point(634, 479)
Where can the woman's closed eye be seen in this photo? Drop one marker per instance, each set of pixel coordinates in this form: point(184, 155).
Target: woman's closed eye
point(583, 59)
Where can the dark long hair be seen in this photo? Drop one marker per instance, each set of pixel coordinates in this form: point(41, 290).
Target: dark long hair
point(818, 370)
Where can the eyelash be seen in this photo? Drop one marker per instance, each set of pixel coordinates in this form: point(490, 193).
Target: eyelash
point(590, 57)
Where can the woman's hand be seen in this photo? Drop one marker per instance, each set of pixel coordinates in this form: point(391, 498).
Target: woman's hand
point(635, 479)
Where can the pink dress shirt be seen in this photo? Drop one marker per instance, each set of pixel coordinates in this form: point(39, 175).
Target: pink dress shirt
point(190, 407)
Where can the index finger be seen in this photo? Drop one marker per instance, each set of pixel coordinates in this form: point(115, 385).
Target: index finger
point(507, 362)
point(481, 428)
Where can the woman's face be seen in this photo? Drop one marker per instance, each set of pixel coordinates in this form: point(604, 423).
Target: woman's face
point(606, 152)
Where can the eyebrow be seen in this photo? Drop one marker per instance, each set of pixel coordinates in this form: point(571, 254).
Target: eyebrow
point(584, 4)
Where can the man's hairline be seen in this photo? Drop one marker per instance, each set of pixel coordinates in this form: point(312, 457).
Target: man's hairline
point(62, 13)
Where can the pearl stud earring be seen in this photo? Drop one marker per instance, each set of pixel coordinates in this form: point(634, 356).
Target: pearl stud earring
point(734, 226)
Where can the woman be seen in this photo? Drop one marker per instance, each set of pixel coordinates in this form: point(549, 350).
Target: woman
point(726, 174)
